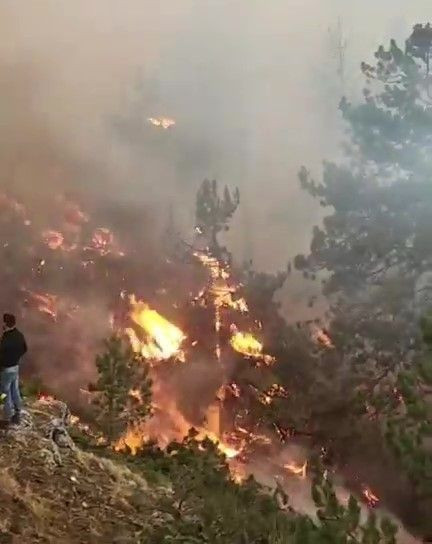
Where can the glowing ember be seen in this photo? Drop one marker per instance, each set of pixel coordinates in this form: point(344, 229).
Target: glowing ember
point(162, 122)
point(102, 238)
point(234, 389)
point(277, 391)
point(53, 239)
point(321, 336)
point(43, 397)
point(163, 339)
point(297, 470)
point(238, 477)
point(136, 394)
point(265, 399)
point(398, 395)
point(45, 303)
point(371, 499)
point(221, 292)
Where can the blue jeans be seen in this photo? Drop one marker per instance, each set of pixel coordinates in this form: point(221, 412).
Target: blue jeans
point(9, 384)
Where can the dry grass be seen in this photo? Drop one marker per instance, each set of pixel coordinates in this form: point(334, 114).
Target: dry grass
point(87, 499)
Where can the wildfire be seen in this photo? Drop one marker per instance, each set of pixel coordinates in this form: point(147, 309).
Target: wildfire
point(297, 470)
point(162, 122)
point(133, 440)
point(163, 339)
point(167, 423)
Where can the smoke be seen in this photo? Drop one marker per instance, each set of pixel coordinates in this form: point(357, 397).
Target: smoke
point(254, 90)
point(248, 85)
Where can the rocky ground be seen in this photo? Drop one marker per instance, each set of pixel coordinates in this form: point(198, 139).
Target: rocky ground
point(54, 493)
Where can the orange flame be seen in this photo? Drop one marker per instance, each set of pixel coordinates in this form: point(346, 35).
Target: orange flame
point(246, 344)
point(224, 448)
point(371, 499)
point(163, 339)
point(298, 470)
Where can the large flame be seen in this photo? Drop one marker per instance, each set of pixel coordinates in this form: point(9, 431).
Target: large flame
point(167, 424)
point(163, 338)
point(246, 344)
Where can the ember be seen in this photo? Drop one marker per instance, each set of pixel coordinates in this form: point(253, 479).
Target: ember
point(44, 303)
point(321, 336)
point(297, 470)
point(163, 122)
point(43, 397)
point(371, 499)
point(53, 239)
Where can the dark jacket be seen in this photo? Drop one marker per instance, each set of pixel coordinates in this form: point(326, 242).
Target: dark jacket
point(12, 348)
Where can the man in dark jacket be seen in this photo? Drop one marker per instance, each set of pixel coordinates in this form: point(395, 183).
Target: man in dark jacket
point(12, 347)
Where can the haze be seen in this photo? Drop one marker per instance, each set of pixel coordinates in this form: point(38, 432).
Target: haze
point(251, 84)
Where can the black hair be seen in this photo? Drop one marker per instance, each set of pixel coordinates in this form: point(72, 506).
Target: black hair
point(9, 320)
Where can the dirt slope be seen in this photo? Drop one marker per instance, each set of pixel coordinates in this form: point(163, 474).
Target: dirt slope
point(64, 495)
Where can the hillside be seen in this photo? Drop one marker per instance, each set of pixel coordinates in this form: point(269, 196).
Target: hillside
point(51, 494)
point(57, 489)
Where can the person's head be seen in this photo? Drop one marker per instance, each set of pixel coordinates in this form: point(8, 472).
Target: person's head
point(9, 321)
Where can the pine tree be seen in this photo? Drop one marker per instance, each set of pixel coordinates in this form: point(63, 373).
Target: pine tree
point(376, 243)
point(214, 212)
point(123, 388)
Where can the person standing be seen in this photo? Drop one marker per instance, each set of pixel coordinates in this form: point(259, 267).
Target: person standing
point(12, 347)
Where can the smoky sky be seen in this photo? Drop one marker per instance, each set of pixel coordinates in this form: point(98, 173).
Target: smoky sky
point(252, 85)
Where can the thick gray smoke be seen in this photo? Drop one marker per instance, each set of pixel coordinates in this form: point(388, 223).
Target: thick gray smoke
point(253, 87)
